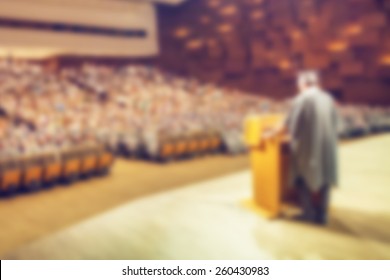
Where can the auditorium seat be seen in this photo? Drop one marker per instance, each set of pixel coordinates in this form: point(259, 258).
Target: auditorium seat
point(10, 176)
point(89, 162)
point(192, 145)
point(105, 161)
point(197, 138)
point(203, 144)
point(32, 172)
point(71, 165)
point(181, 147)
point(53, 167)
point(215, 142)
point(167, 150)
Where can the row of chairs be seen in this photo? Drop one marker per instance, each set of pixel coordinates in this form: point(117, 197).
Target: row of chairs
point(353, 128)
point(34, 172)
point(181, 147)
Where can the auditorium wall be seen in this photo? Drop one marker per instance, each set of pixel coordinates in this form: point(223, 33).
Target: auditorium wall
point(41, 28)
point(259, 45)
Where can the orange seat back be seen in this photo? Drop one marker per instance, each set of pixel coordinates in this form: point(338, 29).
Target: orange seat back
point(167, 149)
point(52, 171)
point(89, 164)
point(204, 143)
point(198, 144)
point(32, 173)
point(105, 160)
point(209, 141)
point(181, 147)
point(192, 145)
point(10, 178)
point(72, 166)
point(215, 142)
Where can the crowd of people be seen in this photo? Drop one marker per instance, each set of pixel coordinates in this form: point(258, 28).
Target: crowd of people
point(132, 110)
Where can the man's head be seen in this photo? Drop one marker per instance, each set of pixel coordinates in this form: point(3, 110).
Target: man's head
point(307, 79)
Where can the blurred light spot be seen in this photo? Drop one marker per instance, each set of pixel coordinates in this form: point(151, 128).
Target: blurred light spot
point(285, 64)
point(205, 19)
point(337, 46)
point(214, 3)
point(257, 1)
point(229, 10)
point(225, 28)
point(257, 15)
point(195, 44)
point(182, 32)
point(353, 29)
point(385, 60)
point(296, 34)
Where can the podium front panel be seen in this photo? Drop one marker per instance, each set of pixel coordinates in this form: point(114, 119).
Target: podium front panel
point(268, 170)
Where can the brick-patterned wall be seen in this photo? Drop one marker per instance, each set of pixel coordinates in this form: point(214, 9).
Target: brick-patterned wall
point(258, 45)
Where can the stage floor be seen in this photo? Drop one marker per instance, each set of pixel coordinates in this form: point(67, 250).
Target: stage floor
point(206, 221)
point(27, 217)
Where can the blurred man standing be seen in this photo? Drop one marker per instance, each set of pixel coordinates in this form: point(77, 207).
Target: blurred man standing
point(312, 126)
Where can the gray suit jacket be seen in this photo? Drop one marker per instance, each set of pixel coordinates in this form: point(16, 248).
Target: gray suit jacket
point(312, 124)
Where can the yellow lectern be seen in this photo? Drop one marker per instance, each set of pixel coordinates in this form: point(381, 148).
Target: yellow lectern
point(269, 162)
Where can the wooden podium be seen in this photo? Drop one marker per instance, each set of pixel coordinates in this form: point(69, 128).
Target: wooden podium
point(269, 163)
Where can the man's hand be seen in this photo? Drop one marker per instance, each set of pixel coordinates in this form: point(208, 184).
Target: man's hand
point(272, 133)
point(268, 134)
